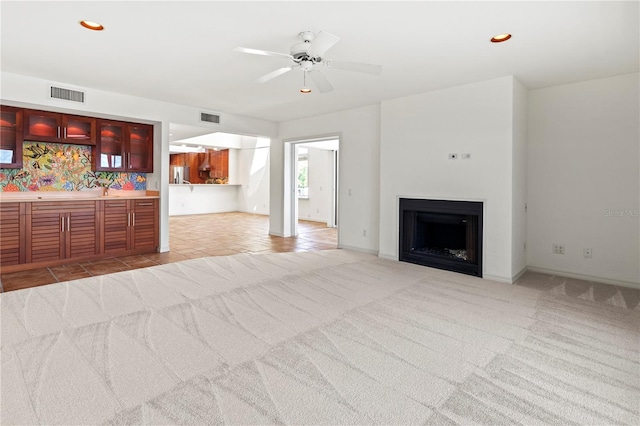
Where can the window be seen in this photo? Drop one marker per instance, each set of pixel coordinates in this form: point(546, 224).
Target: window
point(303, 173)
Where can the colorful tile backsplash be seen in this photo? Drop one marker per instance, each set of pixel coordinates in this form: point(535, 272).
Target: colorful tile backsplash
point(63, 167)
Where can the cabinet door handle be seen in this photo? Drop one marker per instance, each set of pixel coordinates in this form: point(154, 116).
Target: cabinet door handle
point(134, 218)
point(58, 132)
point(145, 204)
point(128, 219)
point(65, 132)
point(61, 223)
point(68, 223)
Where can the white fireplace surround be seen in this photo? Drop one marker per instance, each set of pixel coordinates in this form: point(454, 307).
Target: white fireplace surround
point(484, 119)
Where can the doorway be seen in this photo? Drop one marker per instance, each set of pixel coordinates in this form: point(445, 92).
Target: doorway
point(311, 182)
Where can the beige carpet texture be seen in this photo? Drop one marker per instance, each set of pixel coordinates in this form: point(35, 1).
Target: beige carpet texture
point(321, 338)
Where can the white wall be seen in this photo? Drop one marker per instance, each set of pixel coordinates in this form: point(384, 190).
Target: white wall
point(583, 179)
point(359, 172)
point(417, 134)
point(253, 174)
point(32, 92)
point(519, 181)
point(318, 206)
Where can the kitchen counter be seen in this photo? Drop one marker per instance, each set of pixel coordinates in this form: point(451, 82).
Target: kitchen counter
point(90, 195)
point(204, 184)
point(202, 198)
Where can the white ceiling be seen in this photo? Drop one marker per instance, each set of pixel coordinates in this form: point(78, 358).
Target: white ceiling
point(182, 51)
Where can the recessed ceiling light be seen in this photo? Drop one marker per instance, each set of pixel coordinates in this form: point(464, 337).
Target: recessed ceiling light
point(92, 25)
point(500, 38)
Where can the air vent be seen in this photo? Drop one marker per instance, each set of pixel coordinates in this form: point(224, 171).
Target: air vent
point(67, 94)
point(210, 118)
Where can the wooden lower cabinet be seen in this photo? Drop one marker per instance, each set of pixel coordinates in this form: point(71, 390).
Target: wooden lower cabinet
point(48, 233)
point(62, 230)
point(116, 219)
point(11, 234)
point(130, 225)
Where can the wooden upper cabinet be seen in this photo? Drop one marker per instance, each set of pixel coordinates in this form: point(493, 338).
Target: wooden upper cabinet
point(79, 130)
point(140, 148)
point(10, 137)
point(124, 147)
point(110, 147)
point(45, 126)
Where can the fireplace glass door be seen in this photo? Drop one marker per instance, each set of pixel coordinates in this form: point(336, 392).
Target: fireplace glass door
point(442, 234)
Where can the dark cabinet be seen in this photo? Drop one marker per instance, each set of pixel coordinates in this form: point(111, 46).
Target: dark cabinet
point(10, 137)
point(110, 147)
point(130, 225)
point(119, 146)
point(12, 234)
point(45, 126)
point(124, 147)
point(140, 148)
point(144, 224)
point(62, 230)
point(47, 233)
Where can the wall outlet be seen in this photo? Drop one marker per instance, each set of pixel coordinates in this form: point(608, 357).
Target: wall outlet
point(465, 156)
point(587, 252)
point(453, 156)
point(364, 232)
point(557, 248)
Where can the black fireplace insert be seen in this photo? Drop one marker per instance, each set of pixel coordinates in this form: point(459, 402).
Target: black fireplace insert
point(442, 234)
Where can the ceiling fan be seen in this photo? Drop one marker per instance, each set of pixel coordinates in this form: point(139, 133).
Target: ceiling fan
point(308, 55)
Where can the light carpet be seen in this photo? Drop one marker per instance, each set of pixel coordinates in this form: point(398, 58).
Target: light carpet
point(327, 337)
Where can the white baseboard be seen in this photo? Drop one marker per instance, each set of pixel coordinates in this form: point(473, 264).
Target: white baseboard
point(517, 276)
point(360, 249)
point(163, 249)
point(276, 234)
point(499, 278)
point(250, 212)
point(388, 256)
point(620, 283)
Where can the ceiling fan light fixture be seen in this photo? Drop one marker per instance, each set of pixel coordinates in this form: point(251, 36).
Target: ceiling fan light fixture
point(305, 89)
point(500, 38)
point(91, 25)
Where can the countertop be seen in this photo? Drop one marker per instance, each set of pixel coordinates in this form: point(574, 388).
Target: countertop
point(91, 195)
point(204, 184)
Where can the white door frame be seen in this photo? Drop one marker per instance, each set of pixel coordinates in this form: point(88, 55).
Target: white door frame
point(290, 210)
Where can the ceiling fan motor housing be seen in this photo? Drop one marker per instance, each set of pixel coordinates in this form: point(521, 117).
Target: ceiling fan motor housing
point(300, 51)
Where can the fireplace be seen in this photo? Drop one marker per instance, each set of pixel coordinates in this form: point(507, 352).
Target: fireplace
point(442, 234)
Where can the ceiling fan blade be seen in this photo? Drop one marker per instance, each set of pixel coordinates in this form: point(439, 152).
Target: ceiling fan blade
point(322, 43)
point(261, 52)
point(321, 81)
point(272, 75)
point(355, 66)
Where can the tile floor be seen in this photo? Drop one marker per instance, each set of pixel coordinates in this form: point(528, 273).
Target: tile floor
point(190, 237)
